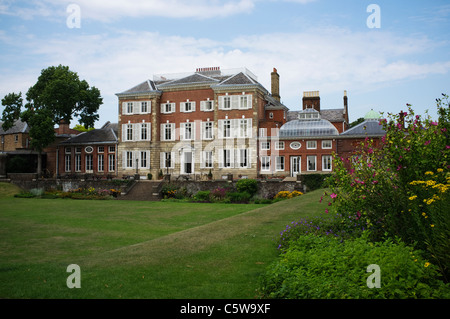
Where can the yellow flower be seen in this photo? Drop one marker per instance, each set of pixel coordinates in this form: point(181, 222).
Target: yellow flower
point(413, 197)
point(440, 170)
point(432, 225)
point(427, 264)
point(429, 173)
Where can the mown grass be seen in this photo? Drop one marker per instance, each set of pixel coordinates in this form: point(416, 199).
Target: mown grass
point(131, 249)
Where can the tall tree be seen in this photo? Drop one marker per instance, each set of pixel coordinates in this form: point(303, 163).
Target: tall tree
point(58, 96)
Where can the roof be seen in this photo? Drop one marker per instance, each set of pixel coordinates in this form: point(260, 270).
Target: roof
point(195, 78)
point(217, 79)
point(19, 127)
point(308, 128)
point(332, 115)
point(372, 115)
point(105, 135)
point(370, 127)
point(144, 87)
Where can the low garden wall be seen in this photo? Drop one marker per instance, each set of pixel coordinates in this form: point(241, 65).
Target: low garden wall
point(68, 184)
point(266, 189)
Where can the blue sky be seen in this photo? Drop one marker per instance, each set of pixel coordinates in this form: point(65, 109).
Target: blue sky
point(320, 45)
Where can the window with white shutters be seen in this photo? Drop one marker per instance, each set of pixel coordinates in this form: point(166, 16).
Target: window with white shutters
point(207, 130)
point(167, 108)
point(206, 106)
point(236, 102)
point(168, 132)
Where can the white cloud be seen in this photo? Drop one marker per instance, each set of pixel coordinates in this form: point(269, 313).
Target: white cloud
point(112, 10)
point(329, 60)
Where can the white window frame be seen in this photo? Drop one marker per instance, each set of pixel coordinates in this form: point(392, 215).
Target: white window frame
point(129, 134)
point(89, 163)
point(311, 145)
point(204, 106)
point(129, 160)
point(308, 161)
point(265, 163)
point(163, 157)
point(168, 128)
point(325, 147)
point(265, 146)
point(68, 163)
point(207, 159)
point(100, 162)
point(245, 128)
point(279, 163)
point(144, 159)
point(184, 106)
point(279, 145)
point(243, 158)
point(327, 159)
point(78, 162)
point(112, 149)
point(208, 130)
point(111, 162)
point(144, 128)
point(184, 130)
point(262, 132)
point(167, 108)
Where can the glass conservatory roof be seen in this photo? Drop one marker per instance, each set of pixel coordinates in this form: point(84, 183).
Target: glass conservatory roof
point(308, 127)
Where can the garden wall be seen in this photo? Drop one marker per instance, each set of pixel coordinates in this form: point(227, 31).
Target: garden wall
point(68, 184)
point(266, 189)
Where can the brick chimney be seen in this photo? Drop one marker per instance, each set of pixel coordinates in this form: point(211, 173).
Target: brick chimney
point(63, 128)
point(311, 99)
point(275, 84)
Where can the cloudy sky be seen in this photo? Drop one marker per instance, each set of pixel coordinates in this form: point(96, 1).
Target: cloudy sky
point(326, 45)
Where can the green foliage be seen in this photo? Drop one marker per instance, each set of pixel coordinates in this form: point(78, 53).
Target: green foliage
point(380, 180)
point(313, 181)
point(239, 197)
point(247, 185)
point(13, 104)
point(82, 128)
point(323, 267)
point(203, 196)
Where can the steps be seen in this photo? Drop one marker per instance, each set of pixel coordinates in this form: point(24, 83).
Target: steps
point(143, 190)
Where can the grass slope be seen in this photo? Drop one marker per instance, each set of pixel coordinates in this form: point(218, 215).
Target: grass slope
point(140, 249)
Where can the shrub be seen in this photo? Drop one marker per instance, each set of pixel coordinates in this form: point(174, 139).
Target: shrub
point(218, 193)
point(202, 196)
point(380, 181)
point(239, 197)
point(247, 185)
point(322, 267)
point(330, 226)
point(169, 191)
point(313, 181)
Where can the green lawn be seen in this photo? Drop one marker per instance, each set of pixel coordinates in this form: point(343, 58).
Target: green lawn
point(137, 249)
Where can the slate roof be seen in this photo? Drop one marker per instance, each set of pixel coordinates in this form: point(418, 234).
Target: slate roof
point(195, 78)
point(332, 115)
point(370, 127)
point(105, 135)
point(19, 127)
point(144, 87)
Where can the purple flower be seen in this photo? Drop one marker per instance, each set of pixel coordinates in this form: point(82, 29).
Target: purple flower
point(333, 195)
point(427, 142)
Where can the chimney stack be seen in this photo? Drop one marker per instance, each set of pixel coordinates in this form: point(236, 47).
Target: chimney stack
point(311, 99)
point(275, 85)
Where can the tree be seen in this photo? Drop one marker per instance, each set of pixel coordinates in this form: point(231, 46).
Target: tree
point(58, 96)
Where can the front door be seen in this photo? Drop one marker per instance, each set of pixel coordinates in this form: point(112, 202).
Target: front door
point(187, 165)
point(296, 162)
